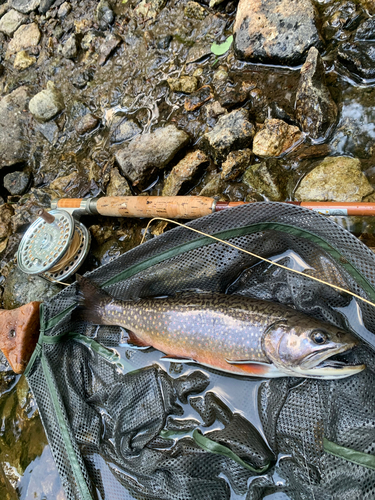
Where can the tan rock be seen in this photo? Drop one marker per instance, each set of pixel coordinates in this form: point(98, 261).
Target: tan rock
point(276, 138)
point(23, 60)
point(118, 185)
point(27, 35)
point(186, 84)
point(182, 172)
point(337, 178)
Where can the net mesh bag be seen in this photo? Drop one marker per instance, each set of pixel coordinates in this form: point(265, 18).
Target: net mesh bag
point(124, 423)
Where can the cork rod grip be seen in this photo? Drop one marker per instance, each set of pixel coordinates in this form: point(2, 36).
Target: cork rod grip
point(171, 207)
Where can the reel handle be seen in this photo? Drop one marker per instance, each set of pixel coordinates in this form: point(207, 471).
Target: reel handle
point(19, 334)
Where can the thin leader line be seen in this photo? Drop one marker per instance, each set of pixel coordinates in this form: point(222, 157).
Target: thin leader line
point(257, 256)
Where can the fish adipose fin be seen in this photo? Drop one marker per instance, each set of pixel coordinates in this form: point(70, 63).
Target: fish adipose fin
point(91, 301)
point(256, 368)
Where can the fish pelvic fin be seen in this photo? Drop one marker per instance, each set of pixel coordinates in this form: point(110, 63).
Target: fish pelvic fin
point(91, 301)
point(257, 368)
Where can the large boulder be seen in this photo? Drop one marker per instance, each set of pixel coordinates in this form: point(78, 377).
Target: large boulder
point(150, 152)
point(14, 144)
point(275, 31)
point(335, 179)
point(316, 111)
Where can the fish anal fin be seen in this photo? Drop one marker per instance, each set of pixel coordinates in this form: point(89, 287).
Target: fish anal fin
point(256, 368)
point(177, 359)
point(136, 341)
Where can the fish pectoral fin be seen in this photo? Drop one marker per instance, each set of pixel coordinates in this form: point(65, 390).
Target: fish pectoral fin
point(256, 368)
point(177, 359)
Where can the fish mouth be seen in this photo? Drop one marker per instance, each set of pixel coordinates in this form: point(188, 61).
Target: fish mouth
point(332, 364)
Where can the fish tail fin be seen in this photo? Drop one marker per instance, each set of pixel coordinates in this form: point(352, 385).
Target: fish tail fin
point(91, 301)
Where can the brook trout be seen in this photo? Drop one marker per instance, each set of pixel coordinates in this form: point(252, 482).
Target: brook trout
point(231, 333)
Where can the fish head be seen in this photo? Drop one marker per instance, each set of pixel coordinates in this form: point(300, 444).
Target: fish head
point(305, 347)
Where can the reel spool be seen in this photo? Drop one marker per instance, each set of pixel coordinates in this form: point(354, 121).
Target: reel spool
point(54, 246)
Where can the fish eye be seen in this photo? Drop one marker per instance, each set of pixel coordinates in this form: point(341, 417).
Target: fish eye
point(319, 337)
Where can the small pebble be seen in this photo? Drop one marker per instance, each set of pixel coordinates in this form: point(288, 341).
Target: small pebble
point(16, 182)
point(64, 9)
point(86, 124)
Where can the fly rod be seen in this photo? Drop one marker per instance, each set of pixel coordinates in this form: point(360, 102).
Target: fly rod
point(188, 207)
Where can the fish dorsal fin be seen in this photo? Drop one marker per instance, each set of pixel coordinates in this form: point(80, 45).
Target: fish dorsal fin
point(256, 368)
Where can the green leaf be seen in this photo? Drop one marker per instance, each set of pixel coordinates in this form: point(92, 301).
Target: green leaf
point(220, 48)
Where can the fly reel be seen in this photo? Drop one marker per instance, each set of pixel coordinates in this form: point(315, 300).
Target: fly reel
point(54, 246)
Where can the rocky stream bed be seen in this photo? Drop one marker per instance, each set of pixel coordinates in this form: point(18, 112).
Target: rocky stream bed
point(245, 101)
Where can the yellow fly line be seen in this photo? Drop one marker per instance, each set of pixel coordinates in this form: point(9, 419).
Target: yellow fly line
point(258, 257)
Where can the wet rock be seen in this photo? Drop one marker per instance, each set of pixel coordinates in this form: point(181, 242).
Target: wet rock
point(198, 52)
point(73, 185)
point(21, 288)
point(49, 130)
point(118, 185)
point(85, 124)
point(11, 21)
point(89, 40)
point(104, 14)
point(23, 60)
point(276, 138)
point(186, 84)
point(316, 111)
point(230, 95)
point(149, 152)
point(214, 109)
point(235, 164)
point(81, 79)
point(164, 42)
point(268, 179)
point(214, 187)
point(16, 182)
point(70, 47)
point(45, 5)
point(195, 11)
point(24, 6)
point(198, 98)
point(366, 31)
point(26, 36)
point(184, 171)
point(26, 209)
point(149, 9)
point(47, 104)
point(341, 18)
point(107, 47)
point(232, 131)
point(13, 124)
point(123, 130)
point(334, 179)
point(358, 57)
point(6, 213)
point(64, 10)
point(270, 31)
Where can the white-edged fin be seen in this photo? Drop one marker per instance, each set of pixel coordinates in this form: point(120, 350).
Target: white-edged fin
point(257, 368)
point(138, 347)
point(176, 359)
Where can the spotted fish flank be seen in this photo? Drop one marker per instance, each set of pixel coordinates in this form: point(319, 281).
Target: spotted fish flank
point(231, 333)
